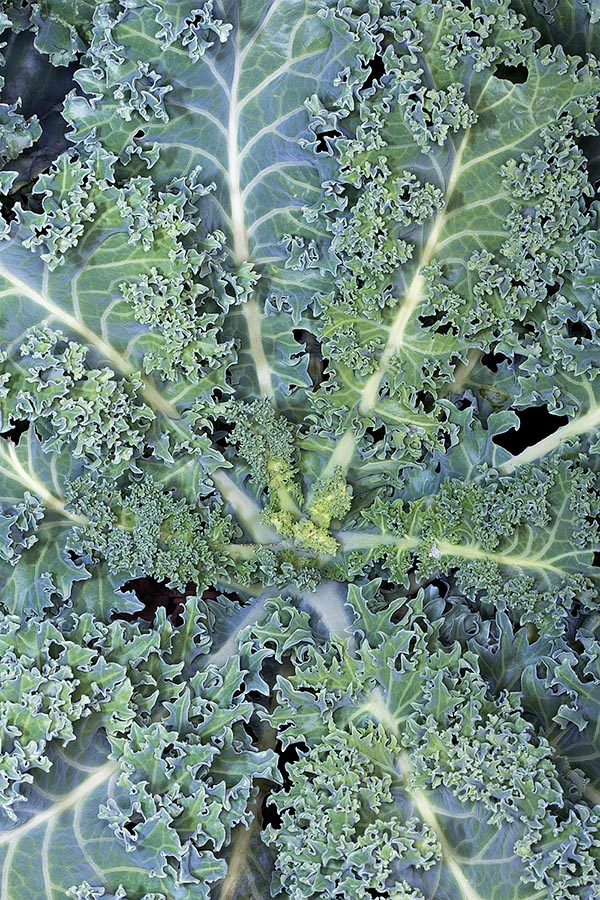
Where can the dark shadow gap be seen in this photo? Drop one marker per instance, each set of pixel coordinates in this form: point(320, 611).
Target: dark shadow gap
point(268, 812)
point(324, 139)
point(221, 434)
point(536, 423)
point(463, 403)
point(578, 330)
point(493, 361)
point(317, 363)
point(155, 594)
point(14, 433)
point(425, 399)
point(442, 587)
point(376, 434)
point(376, 70)
point(515, 74)
point(439, 323)
point(285, 758)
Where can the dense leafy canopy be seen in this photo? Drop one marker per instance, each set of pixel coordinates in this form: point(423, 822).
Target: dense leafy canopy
point(299, 453)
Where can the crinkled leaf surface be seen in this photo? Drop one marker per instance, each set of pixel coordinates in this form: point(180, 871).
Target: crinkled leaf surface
point(142, 764)
point(572, 24)
point(397, 728)
point(281, 286)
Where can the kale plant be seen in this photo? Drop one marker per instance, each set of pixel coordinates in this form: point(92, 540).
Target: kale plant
point(300, 453)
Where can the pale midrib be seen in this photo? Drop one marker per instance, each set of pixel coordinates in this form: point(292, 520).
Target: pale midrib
point(344, 451)
point(106, 350)
point(24, 478)
point(79, 793)
point(252, 316)
point(357, 541)
point(241, 250)
point(377, 706)
point(577, 426)
point(228, 649)
point(414, 294)
point(364, 540)
point(328, 602)
point(462, 373)
point(238, 862)
point(467, 551)
point(428, 814)
point(248, 513)
point(238, 228)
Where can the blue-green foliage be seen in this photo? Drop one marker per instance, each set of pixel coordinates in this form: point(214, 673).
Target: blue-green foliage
point(295, 598)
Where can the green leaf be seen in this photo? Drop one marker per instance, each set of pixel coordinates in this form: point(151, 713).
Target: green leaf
point(120, 774)
point(572, 24)
point(440, 248)
point(517, 533)
point(560, 690)
point(417, 780)
point(35, 566)
point(281, 281)
point(232, 87)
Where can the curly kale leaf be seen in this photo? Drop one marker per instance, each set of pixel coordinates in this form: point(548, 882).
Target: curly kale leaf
point(460, 198)
point(281, 285)
point(414, 778)
point(125, 761)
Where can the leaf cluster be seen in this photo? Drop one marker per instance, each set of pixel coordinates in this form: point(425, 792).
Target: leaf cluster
point(299, 450)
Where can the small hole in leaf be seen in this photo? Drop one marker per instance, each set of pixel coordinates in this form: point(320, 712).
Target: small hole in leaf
point(515, 74)
point(536, 423)
point(14, 433)
point(131, 824)
point(438, 322)
point(376, 434)
point(447, 441)
point(578, 330)
point(425, 399)
point(493, 360)
point(376, 70)
point(317, 363)
point(447, 328)
point(222, 431)
point(324, 138)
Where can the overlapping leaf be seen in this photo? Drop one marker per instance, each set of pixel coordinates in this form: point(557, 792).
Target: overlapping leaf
point(426, 784)
point(273, 285)
point(125, 763)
